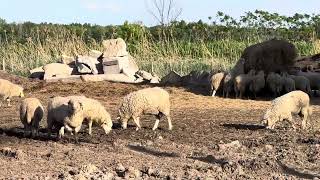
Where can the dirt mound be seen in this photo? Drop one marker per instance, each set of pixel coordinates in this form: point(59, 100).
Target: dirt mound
point(270, 56)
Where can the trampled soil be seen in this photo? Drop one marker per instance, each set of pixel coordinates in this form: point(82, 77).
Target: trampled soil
point(211, 138)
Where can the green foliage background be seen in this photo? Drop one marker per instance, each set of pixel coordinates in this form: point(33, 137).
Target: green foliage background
point(181, 46)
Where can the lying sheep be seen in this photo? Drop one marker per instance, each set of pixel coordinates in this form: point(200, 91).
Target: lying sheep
point(58, 109)
point(282, 108)
point(242, 82)
point(86, 109)
point(301, 83)
point(146, 101)
point(274, 82)
point(257, 84)
point(9, 90)
point(31, 113)
point(215, 82)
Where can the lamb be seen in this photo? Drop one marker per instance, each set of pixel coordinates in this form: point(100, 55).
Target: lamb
point(86, 109)
point(215, 82)
point(301, 83)
point(257, 84)
point(242, 82)
point(274, 82)
point(58, 109)
point(9, 90)
point(282, 108)
point(153, 101)
point(31, 113)
point(227, 85)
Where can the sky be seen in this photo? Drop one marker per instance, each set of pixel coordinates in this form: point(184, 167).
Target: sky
point(115, 12)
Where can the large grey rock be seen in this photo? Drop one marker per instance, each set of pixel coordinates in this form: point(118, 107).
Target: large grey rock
point(95, 54)
point(110, 66)
point(57, 69)
point(114, 48)
point(87, 65)
point(67, 59)
point(110, 77)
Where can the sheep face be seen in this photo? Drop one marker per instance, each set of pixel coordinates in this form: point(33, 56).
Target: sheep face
point(123, 118)
point(75, 106)
point(268, 120)
point(106, 127)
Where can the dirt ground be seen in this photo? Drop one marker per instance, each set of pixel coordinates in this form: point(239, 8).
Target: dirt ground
point(211, 138)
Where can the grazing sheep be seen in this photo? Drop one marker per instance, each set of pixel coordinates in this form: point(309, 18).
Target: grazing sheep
point(257, 84)
point(301, 83)
point(216, 82)
point(228, 81)
point(313, 77)
point(31, 113)
point(242, 82)
point(153, 101)
point(270, 56)
point(274, 82)
point(227, 85)
point(282, 108)
point(9, 90)
point(58, 109)
point(86, 109)
point(288, 83)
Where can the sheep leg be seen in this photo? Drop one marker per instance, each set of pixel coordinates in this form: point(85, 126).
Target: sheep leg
point(26, 129)
point(90, 127)
point(124, 124)
point(213, 93)
point(61, 132)
point(304, 112)
point(169, 123)
point(8, 101)
point(137, 121)
point(290, 119)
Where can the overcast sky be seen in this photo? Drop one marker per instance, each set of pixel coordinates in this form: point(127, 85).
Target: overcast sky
point(106, 12)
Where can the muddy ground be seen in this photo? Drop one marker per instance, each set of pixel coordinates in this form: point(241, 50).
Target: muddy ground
point(211, 138)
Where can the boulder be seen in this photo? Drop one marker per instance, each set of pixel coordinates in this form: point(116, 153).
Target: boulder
point(114, 48)
point(67, 59)
point(57, 69)
point(171, 78)
point(110, 66)
point(95, 54)
point(37, 73)
point(145, 75)
point(110, 77)
point(87, 65)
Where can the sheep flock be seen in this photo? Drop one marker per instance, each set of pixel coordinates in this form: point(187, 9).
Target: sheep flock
point(252, 76)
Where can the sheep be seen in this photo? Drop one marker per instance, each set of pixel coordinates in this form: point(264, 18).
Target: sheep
point(31, 113)
point(86, 109)
point(215, 82)
point(228, 81)
point(282, 108)
point(9, 90)
point(241, 83)
point(58, 109)
point(288, 83)
point(274, 82)
point(153, 101)
point(257, 84)
point(301, 83)
point(313, 77)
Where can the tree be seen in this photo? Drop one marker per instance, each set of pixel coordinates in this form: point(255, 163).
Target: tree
point(164, 11)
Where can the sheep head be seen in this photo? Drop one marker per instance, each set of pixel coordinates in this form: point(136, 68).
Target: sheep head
point(75, 106)
point(106, 127)
point(267, 119)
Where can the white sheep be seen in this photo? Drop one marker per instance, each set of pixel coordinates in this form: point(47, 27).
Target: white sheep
point(282, 108)
point(274, 83)
point(87, 109)
point(215, 82)
point(58, 109)
point(9, 90)
point(241, 83)
point(302, 83)
point(257, 84)
point(146, 101)
point(31, 113)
